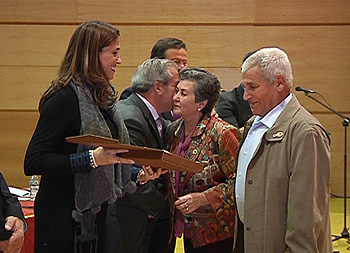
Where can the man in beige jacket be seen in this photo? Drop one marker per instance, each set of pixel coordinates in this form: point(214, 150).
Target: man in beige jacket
point(283, 173)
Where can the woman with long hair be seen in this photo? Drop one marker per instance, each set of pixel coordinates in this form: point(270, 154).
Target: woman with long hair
point(77, 181)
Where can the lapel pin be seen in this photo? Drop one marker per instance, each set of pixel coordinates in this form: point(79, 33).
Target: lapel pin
point(278, 134)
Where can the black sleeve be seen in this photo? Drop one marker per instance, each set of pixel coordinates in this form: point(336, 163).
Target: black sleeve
point(12, 207)
point(48, 152)
point(225, 108)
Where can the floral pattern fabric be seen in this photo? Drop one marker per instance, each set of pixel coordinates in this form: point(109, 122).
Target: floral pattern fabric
point(214, 143)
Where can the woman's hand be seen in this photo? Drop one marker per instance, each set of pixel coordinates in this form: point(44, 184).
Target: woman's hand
point(147, 173)
point(105, 156)
point(191, 202)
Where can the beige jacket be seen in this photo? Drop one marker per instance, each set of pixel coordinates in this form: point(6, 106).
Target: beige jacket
point(288, 187)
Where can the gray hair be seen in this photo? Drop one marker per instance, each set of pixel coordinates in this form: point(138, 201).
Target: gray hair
point(149, 72)
point(207, 86)
point(272, 61)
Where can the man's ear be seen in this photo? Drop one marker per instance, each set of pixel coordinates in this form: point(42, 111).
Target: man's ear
point(158, 87)
point(281, 82)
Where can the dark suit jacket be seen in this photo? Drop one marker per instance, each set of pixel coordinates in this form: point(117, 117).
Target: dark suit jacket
point(148, 199)
point(125, 93)
point(232, 108)
point(128, 91)
point(9, 205)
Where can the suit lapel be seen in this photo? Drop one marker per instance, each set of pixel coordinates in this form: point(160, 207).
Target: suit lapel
point(149, 118)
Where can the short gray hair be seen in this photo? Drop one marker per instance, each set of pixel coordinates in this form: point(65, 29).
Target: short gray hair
point(207, 86)
point(149, 72)
point(272, 61)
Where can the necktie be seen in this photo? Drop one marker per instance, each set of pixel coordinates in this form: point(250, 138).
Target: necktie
point(159, 126)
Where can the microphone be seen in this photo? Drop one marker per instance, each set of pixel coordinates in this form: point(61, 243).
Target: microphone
point(298, 88)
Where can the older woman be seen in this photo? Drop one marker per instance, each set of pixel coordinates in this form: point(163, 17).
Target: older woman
point(203, 205)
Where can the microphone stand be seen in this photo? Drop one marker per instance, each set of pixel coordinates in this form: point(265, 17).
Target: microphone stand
point(345, 232)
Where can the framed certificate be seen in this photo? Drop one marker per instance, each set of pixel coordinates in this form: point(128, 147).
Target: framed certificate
point(141, 155)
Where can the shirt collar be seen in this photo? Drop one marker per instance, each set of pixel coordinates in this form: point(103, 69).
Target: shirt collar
point(150, 107)
point(270, 118)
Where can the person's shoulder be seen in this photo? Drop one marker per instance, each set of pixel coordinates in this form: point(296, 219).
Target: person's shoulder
point(175, 123)
point(304, 122)
point(220, 125)
point(219, 121)
point(227, 94)
point(67, 91)
point(303, 116)
point(131, 101)
point(295, 113)
point(62, 97)
point(129, 108)
point(172, 127)
point(125, 93)
point(220, 130)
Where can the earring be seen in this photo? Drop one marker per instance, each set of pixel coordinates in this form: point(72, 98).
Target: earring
point(199, 109)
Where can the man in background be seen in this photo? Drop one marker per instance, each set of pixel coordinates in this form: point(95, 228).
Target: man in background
point(144, 216)
point(166, 48)
point(231, 106)
point(283, 174)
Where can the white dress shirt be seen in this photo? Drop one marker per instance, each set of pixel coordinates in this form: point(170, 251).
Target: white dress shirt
point(249, 148)
point(154, 113)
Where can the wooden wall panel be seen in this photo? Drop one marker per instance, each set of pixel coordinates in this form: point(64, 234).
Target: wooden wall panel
point(40, 49)
point(131, 11)
point(314, 64)
point(208, 46)
point(333, 124)
point(300, 11)
point(16, 130)
point(38, 11)
point(320, 58)
point(168, 11)
point(34, 45)
point(45, 45)
point(197, 11)
point(22, 87)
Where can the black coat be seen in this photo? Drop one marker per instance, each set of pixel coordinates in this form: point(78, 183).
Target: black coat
point(9, 206)
point(232, 108)
point(128, 219)
point(48, 155)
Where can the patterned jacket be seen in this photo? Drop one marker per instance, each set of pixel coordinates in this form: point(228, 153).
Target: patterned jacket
point(214, 143)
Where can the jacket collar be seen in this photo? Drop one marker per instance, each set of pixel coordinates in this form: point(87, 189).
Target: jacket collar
point(278, 130)
point(136, 100)
point(200, 128)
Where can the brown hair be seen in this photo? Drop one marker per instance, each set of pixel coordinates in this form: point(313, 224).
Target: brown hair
point(163, 44)
point(81, 62)
point(206, 86)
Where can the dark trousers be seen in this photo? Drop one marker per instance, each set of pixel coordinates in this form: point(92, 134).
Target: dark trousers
point(131, 230)
point(224, 246)
point(158, 237)
point(239, 248)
